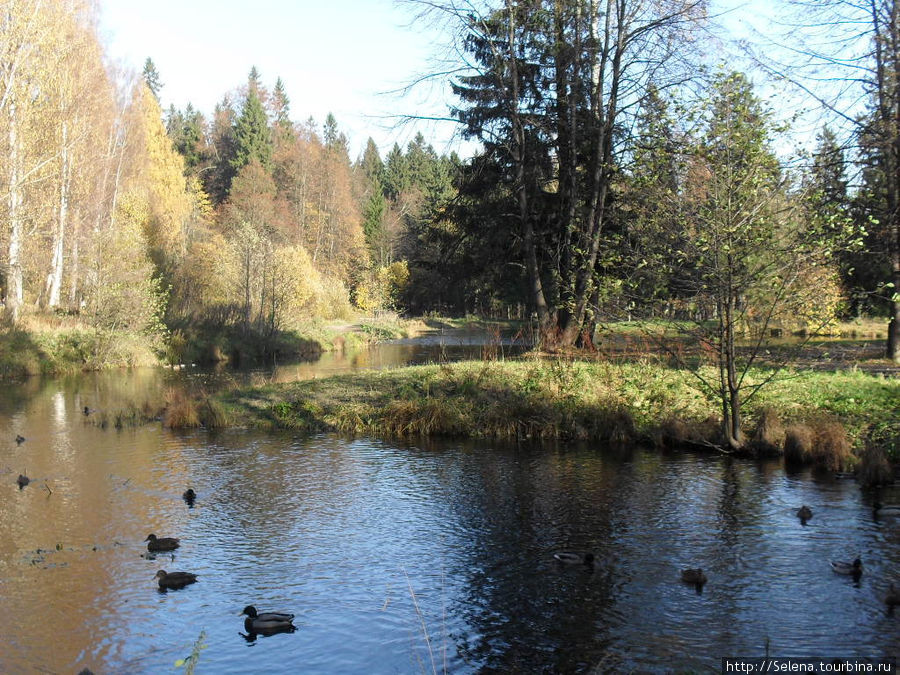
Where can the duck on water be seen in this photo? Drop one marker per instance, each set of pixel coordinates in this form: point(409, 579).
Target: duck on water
point(157, 544)
point(267, 622)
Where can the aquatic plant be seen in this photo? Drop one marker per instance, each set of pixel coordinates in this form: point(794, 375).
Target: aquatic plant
point(190, 662)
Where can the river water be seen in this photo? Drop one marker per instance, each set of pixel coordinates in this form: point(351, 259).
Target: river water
point(407, 558)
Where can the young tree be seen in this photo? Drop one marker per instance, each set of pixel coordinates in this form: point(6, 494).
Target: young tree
point(748, 254)
point(282, 127)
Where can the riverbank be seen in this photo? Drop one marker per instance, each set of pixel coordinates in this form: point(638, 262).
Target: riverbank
point(49, 344)
point(590, 401)
point(62, 346)
point(206, 343)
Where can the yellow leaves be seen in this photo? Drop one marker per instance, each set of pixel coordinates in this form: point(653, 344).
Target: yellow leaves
point(206, 281)
point(202, 206)
point(133, 209)
point(296, 280)
point(384, 289)
point(162, 179)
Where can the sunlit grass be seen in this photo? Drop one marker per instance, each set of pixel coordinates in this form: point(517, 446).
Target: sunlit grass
point(52, 344)
point(564, 399)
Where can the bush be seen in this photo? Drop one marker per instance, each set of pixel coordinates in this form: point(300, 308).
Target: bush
point(213, 415)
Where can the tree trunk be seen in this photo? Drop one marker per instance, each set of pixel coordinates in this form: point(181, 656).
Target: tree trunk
point(893, 343)
point(54, 280)
point(74, 269)
point(545, 321)
point(887, 70)
point(14, 283)
point(604, 110)
point(733, 435)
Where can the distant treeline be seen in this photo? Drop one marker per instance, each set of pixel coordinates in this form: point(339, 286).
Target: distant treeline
point(597, 193)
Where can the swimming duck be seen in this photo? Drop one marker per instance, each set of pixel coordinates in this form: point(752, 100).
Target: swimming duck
point(804, 513)
point(87, 411)
point(693, 576)
point(161, 543)
point(892, 599)
point(853, 569)
point(174, 580)
point(575, 558)
point(267, 622)
point(23, 480)
point(189, 496)
point(20, 439)
point(886, 509)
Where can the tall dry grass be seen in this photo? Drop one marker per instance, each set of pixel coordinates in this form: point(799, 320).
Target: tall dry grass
point(181, 410)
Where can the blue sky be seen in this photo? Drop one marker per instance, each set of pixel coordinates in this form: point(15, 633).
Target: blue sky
point(333, 56)
point(336, 56)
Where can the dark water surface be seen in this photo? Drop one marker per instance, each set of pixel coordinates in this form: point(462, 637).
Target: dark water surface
point(413, 558)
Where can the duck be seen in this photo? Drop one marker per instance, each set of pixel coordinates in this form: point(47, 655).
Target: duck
point(189, 496)
point(853, 569)
point(885, 509)
point(575, 558)
point(88, 411)
point(174, 580)
point(266, 622)
point(161, 543)
point(804, 513)
point(23, 480)
point(19, 439)
point(693, 576)
point(892, 599)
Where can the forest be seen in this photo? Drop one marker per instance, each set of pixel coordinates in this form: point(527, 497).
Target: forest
point(619, 176)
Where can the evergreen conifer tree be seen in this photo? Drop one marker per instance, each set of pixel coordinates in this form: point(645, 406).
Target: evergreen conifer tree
point(151, 77)
point(252, 139)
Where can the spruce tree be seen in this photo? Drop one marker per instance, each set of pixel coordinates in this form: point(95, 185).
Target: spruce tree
point(281, 112)
point(252, 138)
point(371, 164)
point(151, 78)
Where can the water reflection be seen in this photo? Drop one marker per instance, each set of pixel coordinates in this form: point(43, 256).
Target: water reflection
point(375, 545)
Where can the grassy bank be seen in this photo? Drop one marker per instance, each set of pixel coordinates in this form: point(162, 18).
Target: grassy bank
point(56, 347)
point(48, 344)
point(565, 399)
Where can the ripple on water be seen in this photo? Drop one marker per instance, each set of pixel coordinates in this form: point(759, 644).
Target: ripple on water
point(366, 541)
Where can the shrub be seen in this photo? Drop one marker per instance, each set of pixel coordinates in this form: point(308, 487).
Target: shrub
point(671, 433)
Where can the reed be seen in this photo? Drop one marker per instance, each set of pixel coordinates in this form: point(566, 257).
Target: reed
point(769, 434)
point(798, 444)
point(181, 411)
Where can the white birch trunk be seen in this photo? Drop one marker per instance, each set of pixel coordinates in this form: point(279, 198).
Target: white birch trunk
point(14, 284)
point(54, 281)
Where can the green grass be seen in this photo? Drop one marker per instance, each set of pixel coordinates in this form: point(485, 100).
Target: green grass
point(58, 350)
point(566, 399)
